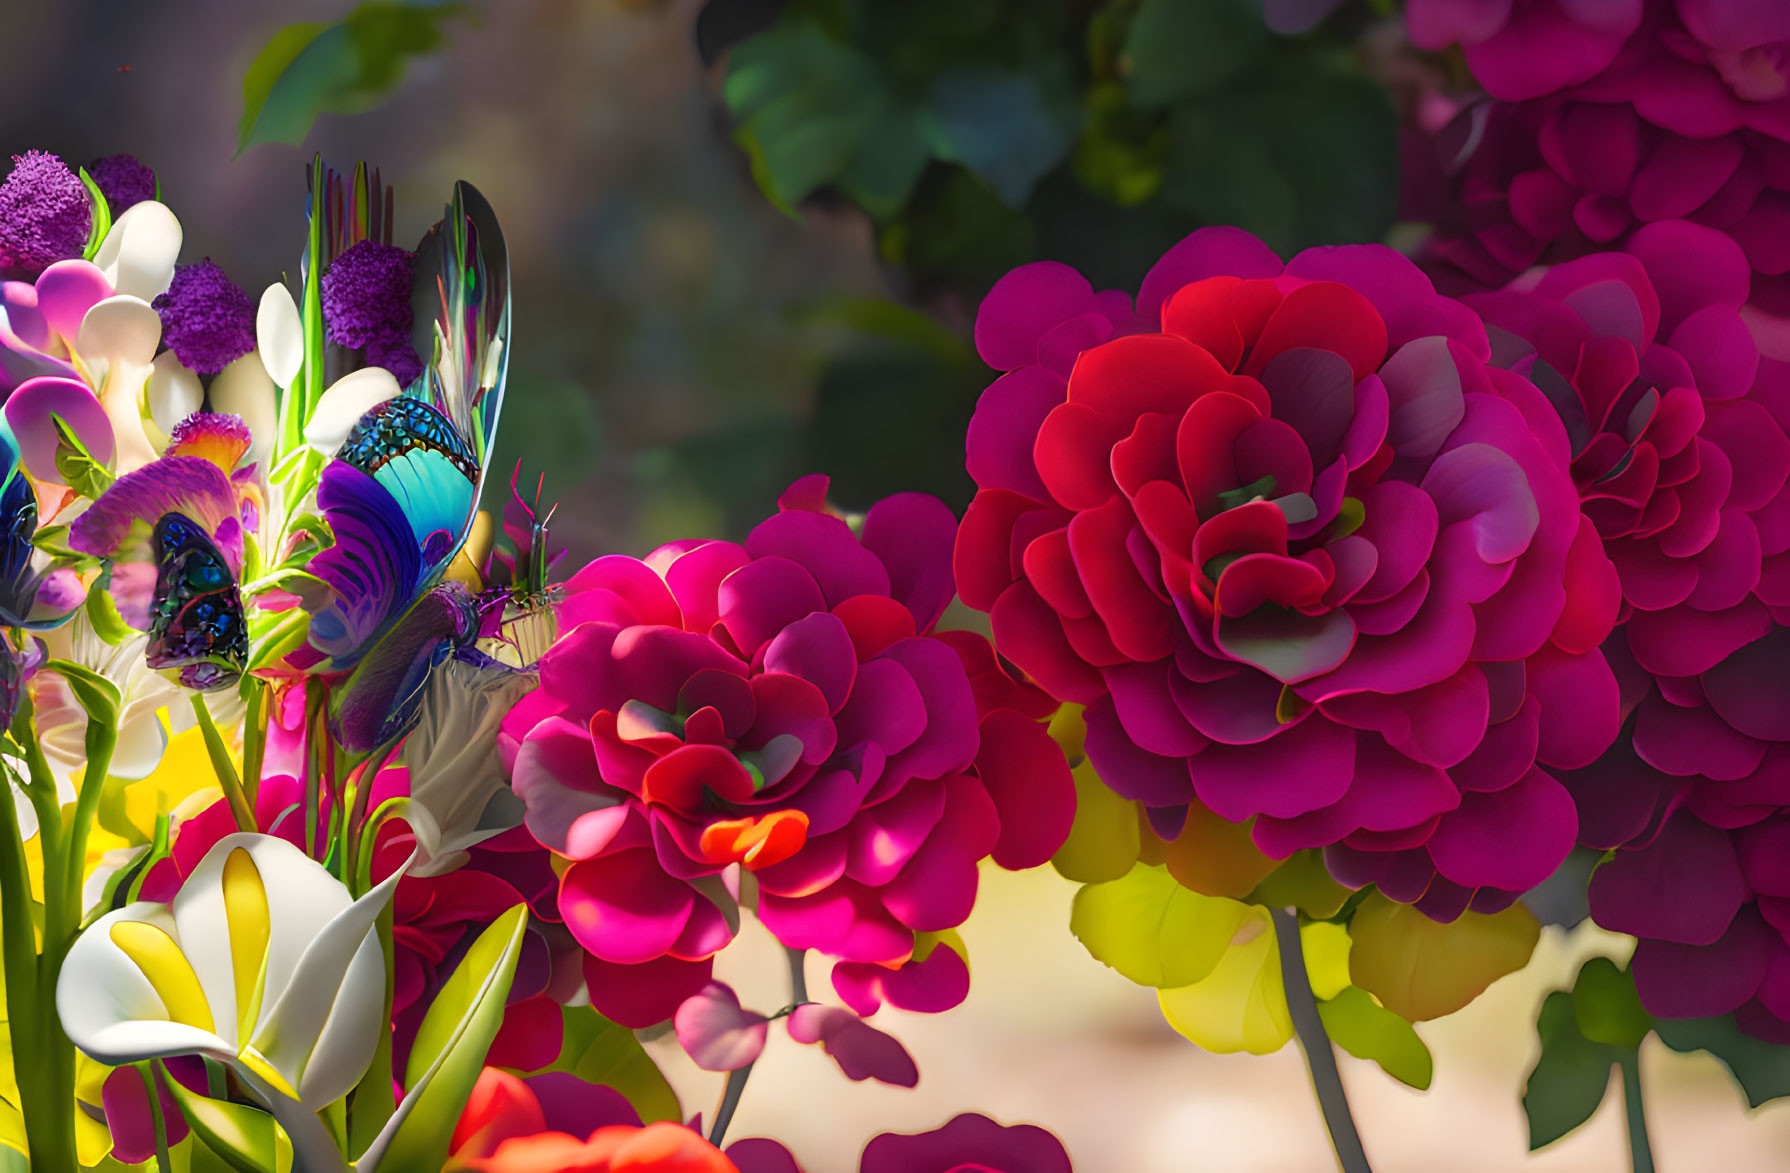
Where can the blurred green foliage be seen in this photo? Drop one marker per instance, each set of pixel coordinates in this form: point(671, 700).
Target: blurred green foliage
point(981, 134)
point(334, 68)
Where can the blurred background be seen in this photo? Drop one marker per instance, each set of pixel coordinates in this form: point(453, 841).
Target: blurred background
point(684, 347)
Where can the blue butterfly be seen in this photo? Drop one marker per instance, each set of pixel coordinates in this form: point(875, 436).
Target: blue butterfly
point(195, 617)
point(401, 494)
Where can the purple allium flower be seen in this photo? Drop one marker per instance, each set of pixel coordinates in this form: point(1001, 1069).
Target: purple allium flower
point(207, 320)
point(392, 350)
point(366, 296)
point(45, 215)
point(123, 180)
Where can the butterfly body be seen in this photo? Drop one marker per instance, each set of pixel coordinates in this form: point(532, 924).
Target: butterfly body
point(196, 623)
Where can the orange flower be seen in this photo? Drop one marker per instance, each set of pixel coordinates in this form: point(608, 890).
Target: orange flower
point(657, 1148)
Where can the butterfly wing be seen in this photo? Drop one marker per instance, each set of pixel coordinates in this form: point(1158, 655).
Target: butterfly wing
point(461, 299)
point(196, 622)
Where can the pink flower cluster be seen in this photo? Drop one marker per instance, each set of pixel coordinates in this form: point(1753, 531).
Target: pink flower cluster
point(1311, 560)
point(785, 709)
point(1661, 128)
point(1609, 115)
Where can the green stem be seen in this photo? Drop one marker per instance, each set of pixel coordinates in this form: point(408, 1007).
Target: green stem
point(1640, 1151)
point(730, 1100)
point(1320, 1059)
point(223, 766)
point(18, 938)
point(163, 1164)
point(254, 739)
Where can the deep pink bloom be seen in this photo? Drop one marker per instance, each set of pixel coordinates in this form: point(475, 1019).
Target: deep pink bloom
point(1677, 425)
point(1306, 556)
point(970, 1143)
point(1689, 120)
point(1526, 48)
point(1697, 802)
point(786, 708)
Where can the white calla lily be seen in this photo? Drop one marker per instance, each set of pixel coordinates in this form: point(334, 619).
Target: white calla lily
point(117, 341)
point(174, 392)
point(279, 335)
point(62, 722)
point(244, 389)
point(263, 961)
point(139, 251)
point(340, 408)
point(456, 772)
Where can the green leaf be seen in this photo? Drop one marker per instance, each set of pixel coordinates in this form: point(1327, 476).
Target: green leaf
point(343, 68)
point(449, 1051)
point(1420, 969)
point(1177, 49)
point(1606, 1006)
point(243, 1137)
point(1302, 882)
point(599, 1051)
point(1367, 1030)
point(1761, 1069)
point(1255, 157)
point(75, 465)
point(1008, 128)
point(102, 216)
point(97, 695)
point(1569, 1079)
point(808, 104)
point(102, 612)
point(1152, 930)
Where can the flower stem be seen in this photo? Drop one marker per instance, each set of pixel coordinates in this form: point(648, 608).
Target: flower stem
point(1640, 1151)
point(730, 1100)
point(798, 975)
point(1319, 1058)
point(223, 767)
point(163, 1163)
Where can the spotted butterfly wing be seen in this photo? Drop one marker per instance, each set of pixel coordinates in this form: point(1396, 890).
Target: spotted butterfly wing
point(196, 625)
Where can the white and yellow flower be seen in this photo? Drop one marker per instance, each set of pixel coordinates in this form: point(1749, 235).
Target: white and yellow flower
point(263, 961)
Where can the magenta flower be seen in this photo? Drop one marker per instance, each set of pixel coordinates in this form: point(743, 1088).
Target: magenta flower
point(970, 1143)
point(1307, 558)
point(1689, 120)
point(1698, 805)
point(1677, 426)
point(784, 707)
point(1521, 49)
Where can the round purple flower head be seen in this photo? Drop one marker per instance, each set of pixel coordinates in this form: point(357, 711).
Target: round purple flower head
point(392, 350)
point(366, 294)
point(45, 215)
point(207, 320)
point(122, 180)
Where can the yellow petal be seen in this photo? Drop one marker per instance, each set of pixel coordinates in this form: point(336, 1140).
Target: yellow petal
point(1240, 1005)
point(1326, 948)
point(245, 909)
point(168, 971)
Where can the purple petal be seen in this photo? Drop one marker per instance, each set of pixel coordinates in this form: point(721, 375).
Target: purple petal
point(913, 534)
point(1644, 891)
point(862, 1051)
point(716, 1032)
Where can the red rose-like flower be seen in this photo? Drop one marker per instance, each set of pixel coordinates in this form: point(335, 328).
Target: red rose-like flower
point(783, 706)
point(1309, 560)
point(1677, 426)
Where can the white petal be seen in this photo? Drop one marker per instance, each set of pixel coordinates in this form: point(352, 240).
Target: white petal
point(174, 392)
point(243, 389)
point(107, 1006)
point(280, 335)
point(344, 1046)
point(23, 811)
point(138, 254)
point(122, 397)
point(302, 897)
point(329, 977)
point(120, 329)
point(341, 407)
